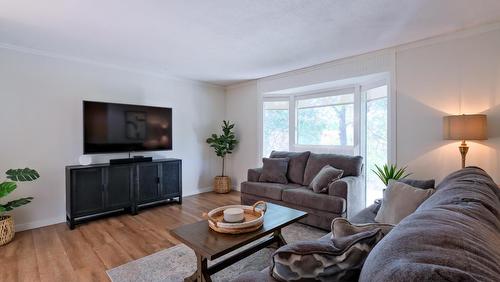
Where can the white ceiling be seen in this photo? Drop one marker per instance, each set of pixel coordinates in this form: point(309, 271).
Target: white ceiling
point(226, 41)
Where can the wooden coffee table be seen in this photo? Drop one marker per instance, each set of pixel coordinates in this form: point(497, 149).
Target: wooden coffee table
point(210, 245)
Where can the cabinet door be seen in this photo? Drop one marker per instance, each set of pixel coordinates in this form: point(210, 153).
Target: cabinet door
point(88, 191)
point(170, 175)
point(148, 182)
point(118, 186)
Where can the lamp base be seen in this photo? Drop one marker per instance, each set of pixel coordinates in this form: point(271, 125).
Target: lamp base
point(463, 148)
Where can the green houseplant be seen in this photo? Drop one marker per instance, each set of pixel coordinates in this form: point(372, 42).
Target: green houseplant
point(388, 172)
point(223, 144)
point(6, 187)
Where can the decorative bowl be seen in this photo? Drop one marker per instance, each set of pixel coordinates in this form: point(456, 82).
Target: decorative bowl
point(254, 218)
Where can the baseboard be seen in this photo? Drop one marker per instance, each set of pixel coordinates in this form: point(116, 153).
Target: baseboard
point(199, 191)
point(55, 220)
point(40, 223)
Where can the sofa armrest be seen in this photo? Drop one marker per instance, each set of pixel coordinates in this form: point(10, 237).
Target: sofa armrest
point(327, 260)
point(352, 189)
point(253, 174)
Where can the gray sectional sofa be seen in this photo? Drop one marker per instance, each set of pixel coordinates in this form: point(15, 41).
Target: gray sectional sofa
point(454, 235)
point(344, 197)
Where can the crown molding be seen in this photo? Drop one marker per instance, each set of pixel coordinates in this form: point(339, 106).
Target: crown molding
point(241, 84)
point(459, 34)
point(117, 67)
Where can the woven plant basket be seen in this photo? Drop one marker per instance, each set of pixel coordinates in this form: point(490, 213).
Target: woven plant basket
point(6, 229)
point(222, 184)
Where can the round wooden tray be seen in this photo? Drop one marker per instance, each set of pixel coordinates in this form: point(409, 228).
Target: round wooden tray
point(254, 218)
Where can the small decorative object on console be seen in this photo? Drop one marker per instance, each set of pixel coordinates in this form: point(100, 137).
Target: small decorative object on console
point(85, 160)
point(253, 218)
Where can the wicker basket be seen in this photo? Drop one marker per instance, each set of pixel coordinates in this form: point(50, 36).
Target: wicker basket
point(222, 184)
point(6, 229)
point(254, 218)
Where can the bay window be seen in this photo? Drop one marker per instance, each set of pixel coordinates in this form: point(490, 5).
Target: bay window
point(351, 120)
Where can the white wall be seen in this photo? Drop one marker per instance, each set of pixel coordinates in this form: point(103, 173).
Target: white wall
point(241, 108)
point(41, 123)
point(456, 73)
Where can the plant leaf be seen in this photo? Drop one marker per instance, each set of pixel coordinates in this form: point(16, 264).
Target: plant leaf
point(7, 187)
point(22, 174)
point(17, 203)
point(388, 172)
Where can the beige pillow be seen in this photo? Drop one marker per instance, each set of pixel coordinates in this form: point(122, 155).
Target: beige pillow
point(400, 200)
point(341, 227)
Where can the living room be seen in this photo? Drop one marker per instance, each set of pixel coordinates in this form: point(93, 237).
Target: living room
point(315, 97)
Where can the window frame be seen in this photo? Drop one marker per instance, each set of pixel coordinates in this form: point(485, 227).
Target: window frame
point(325, 148)
point(272, 98)
point(292, 127)
point(359, 86)
point(364, 103)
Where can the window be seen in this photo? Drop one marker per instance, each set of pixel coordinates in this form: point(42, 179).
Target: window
point(376, 139)
point(326, 120)
point(352, 120)
point(275, 126)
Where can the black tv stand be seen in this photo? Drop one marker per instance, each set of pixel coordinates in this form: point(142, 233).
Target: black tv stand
point(135, 159)
point(98, 190)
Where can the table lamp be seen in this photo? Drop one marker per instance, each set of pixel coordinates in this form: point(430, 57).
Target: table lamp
point(464, 127)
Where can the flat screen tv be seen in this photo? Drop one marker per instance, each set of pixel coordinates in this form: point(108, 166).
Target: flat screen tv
point(113, 128)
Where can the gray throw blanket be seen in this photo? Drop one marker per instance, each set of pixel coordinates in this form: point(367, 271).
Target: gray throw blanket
point(453, 236)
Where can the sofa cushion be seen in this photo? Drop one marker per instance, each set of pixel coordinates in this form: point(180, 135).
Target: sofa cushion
point(266, 189)
point(296, 164)
point(366, 215)
point(339, 259)
point(400, 200)
point(351, 165)
point(324, 178)
point(423, 184)
point(307, 198)
point(253, 174)
point(453, 236)
point(342, 227)
point(274, 170)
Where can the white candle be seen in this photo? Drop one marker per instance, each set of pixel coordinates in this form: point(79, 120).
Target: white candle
point(233, 215)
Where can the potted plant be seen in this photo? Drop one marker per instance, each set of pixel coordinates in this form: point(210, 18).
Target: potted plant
point(223, 144)
point(388, 172)
point(6, 221)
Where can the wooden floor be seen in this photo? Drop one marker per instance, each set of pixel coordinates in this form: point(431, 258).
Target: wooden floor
point(55, 253)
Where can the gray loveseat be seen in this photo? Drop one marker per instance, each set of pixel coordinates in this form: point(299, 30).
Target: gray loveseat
point(344, 197)
point(453, 236)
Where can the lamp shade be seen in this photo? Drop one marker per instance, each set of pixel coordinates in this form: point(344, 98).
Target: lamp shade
point(465, 127)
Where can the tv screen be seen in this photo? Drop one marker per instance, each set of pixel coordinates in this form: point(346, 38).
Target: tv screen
point(112, 128)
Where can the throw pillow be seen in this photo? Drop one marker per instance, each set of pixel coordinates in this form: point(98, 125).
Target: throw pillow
point(325, 176)
point(341, 227)
point(400, 200)
point(339, 259)
point(423, 184)
point(351, 165)
point(274, 170)
point(296, 164)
